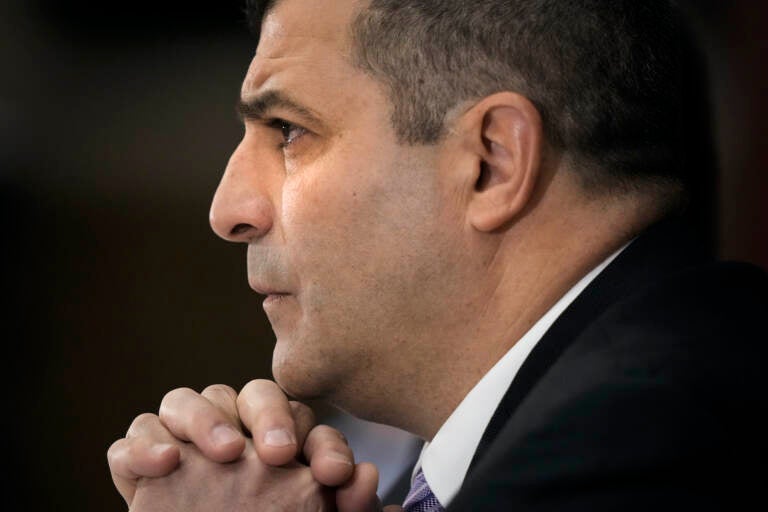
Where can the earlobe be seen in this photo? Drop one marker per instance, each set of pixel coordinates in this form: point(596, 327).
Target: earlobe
point(510, 129)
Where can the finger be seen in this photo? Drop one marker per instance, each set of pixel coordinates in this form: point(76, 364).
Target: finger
point(132, 458)
point(393, 508)
point(304, 419)
point(147, 450)
point(225, 398)
point(150, 430)
point(265, 411)
point(193, 417)
point(359, 493)
point(329, 456)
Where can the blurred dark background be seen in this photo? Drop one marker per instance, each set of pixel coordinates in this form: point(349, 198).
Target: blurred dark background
point(116, 121)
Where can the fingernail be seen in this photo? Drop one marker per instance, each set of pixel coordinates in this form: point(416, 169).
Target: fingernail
point(224, 434)
point(160, 449)
point(279, 437)
point(339, 457)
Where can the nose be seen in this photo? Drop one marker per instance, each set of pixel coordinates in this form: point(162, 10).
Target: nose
point(241, 210)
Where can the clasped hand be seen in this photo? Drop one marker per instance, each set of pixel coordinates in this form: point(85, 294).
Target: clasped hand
point(196, 454)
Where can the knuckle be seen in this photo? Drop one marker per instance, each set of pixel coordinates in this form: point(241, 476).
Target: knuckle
point(262, 402)
point(341, 436)
point(338, 447)
point(140, 423)
point(221, 396)
point(258, 386)
point(330, 434)
point(174, 401)
point(302, 412)
point(175, 395)
point(115, 450)
point(219, 388)
point(120, 456)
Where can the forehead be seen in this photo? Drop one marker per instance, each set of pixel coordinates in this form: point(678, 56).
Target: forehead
point(302, 37)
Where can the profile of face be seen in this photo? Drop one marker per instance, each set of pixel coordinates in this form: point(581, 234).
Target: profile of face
point(353, 237)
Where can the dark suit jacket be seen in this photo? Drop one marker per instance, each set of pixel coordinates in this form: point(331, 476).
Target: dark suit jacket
point(645, 394)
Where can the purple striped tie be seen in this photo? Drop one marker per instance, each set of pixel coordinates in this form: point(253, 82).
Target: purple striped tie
point(420, 497)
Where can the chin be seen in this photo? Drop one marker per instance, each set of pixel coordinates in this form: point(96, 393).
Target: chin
point(316, 363)
point(299, 386)
point(294, 376)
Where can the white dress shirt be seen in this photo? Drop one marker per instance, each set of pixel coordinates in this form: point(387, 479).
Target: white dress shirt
point(446, 459)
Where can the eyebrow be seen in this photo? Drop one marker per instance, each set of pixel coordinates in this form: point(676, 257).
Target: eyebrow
point(258, 107)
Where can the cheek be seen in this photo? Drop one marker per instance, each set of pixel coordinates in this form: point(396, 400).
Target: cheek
point(352, 231)
point(322, 226)
point(309, 201)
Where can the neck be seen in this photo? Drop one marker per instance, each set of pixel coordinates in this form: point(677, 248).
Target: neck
point(526, 269)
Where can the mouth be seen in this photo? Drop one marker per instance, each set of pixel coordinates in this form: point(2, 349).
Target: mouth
point(273, 303)
point(272, 296)
point(275, 298)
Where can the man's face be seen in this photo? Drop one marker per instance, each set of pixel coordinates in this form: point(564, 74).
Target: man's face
point(350, 234)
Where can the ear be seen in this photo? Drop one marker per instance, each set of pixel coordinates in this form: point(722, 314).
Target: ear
point(508, 140)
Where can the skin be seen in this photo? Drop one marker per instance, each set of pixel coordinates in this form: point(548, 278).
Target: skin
point(185, 441)
point(244, 484)
point(343, 195)
point(375, 255)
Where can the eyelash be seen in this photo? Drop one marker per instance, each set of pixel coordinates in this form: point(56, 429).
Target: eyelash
point(285, 128)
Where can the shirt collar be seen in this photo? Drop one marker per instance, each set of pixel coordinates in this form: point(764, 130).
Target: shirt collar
point(446, 459)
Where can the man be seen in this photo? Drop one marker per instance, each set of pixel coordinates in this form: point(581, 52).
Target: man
point(462, 215)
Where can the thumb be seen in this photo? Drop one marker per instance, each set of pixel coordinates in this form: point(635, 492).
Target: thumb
point(393, 508)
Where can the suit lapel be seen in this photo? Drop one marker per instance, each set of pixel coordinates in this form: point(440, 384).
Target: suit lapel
point(662, 249)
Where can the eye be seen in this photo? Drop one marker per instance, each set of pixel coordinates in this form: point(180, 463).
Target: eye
point(289, 131)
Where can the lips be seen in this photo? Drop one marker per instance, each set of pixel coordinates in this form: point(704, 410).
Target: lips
point(273, 296)
point(265, 289)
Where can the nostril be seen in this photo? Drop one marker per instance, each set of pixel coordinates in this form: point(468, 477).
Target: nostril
point(240, 228)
